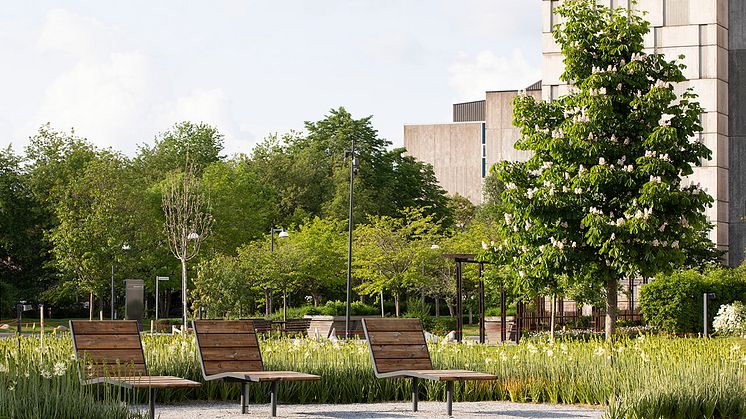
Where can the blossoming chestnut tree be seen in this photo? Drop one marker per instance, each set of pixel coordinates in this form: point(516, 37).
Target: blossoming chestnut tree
point(605, 195)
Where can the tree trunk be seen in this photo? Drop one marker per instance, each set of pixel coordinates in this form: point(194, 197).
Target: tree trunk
point(553, 312)
point(316, 299)
point(267, 303)
point(396, 302)
point(284, 306)
point(437, 307)
point(471, 315)
point(183, 294)
point(611, 308)
point(90, 306)
point(451, 311)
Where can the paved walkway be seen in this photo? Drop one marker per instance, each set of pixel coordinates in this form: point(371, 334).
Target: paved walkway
point(427, 410)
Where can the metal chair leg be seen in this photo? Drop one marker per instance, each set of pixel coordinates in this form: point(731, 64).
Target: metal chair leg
point(275, 385)
point(415, 391)
point(151, 401)
point(244, 396)
point(449, 397)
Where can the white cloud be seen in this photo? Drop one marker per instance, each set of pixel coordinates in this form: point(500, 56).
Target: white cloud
point(116, 96)
point(211, 106)
point(471, 76)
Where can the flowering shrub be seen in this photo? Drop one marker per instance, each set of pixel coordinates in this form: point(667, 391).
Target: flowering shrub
point(731, 319)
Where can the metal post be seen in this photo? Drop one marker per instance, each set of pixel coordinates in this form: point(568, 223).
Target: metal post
point(382, 313)
point(157, 280)
point(482, 331)
point(151, 398)
point(503, 315)
point(449, 397)
point(705, 313)
point(41, 320)
point(112, 291)
point(349, 240)
point(459, 303)
point(244, 396)
point(273, 396)
point(415, 390)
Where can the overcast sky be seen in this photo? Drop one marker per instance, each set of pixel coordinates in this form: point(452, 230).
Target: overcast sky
point(120, 72)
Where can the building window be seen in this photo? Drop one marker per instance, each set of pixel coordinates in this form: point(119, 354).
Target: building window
point(484, 153)
point(553, 92)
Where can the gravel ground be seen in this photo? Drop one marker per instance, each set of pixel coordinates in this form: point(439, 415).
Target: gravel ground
point(427, 410)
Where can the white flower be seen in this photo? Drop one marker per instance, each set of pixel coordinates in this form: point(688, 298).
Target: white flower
point(599, 351)
point(527, 225)
point(3, 368)
point(565, 189)
point(613, 236)
point(521, 274)
point(655, 179)
point(581, 169)
point(675, 244)
point(60, 368)
point(620, 222)
point(578, 191)
point(590, 137)
point(508, 218)
point(547, 165)
point(484, 246)
point(46, 374)
point(574, 245)
point(629, 168)
point(602, 91)
point(601, 161)
point(655, 242)
point(541, 248)
point(510, 185)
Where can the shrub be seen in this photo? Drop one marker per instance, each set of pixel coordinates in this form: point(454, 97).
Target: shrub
point(673, 302)
point(731, 319)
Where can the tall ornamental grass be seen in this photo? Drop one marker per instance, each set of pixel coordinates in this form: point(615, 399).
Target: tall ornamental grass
point(648, 377)
point(43, 383)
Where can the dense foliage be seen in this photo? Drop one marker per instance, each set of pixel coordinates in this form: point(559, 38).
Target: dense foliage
point(75, 215)
point(674, 302)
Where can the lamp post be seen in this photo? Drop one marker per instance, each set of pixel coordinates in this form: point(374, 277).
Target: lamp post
point(125, 247)
point(280, 233)
point(353, 169)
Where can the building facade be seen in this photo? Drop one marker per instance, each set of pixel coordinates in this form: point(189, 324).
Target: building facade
point(711, 34)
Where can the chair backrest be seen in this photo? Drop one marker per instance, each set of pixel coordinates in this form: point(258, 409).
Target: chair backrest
point(320, 327)
point(108, 348)
point(227, 346)
point(396, 344)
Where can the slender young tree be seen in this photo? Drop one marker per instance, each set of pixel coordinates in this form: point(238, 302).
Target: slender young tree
point(605, 195)
point(188, 222)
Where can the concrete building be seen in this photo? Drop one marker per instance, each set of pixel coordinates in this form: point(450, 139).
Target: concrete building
point(711, 34)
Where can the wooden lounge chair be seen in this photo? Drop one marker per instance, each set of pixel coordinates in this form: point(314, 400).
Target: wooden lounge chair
point(110, 352)
point(229, 350)
point(398, 349)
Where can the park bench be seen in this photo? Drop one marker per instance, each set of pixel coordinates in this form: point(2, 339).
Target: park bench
point(229, 350)
point(398, 349)
point(110, 352)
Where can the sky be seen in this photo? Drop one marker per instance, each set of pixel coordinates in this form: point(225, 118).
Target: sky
point(121, 72)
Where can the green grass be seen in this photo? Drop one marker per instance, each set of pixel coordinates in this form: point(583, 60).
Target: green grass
point(650, 377)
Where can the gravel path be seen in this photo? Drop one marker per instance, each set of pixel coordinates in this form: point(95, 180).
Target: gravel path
point(427, 410)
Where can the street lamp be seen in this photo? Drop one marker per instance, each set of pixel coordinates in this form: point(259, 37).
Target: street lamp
point(280, 233)
point(353, 170)
point(125, 247)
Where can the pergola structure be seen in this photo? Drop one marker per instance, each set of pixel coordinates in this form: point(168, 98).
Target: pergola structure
point(461, 258)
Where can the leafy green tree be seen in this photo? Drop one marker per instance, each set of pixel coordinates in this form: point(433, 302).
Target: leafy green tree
point(322, 258)
point(23, 251)
point(389, 252)
point(93, 219)
point(241, 205)
point(199, 143)
point(221, 285)
point(604, 196)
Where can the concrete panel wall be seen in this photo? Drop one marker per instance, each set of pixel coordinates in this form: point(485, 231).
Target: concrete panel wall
point(737, 140)
point(454, 150)
point(500, 133)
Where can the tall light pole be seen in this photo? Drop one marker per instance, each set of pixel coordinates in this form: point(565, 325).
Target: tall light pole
point(353, 169)
point(280, 233)
point(125, 247)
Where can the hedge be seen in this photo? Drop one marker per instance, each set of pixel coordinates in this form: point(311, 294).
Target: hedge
point(674, 303)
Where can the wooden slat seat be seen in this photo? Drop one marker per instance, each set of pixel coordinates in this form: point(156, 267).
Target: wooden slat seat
point(110, 352)
point(229, 350)
point(398, 349)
